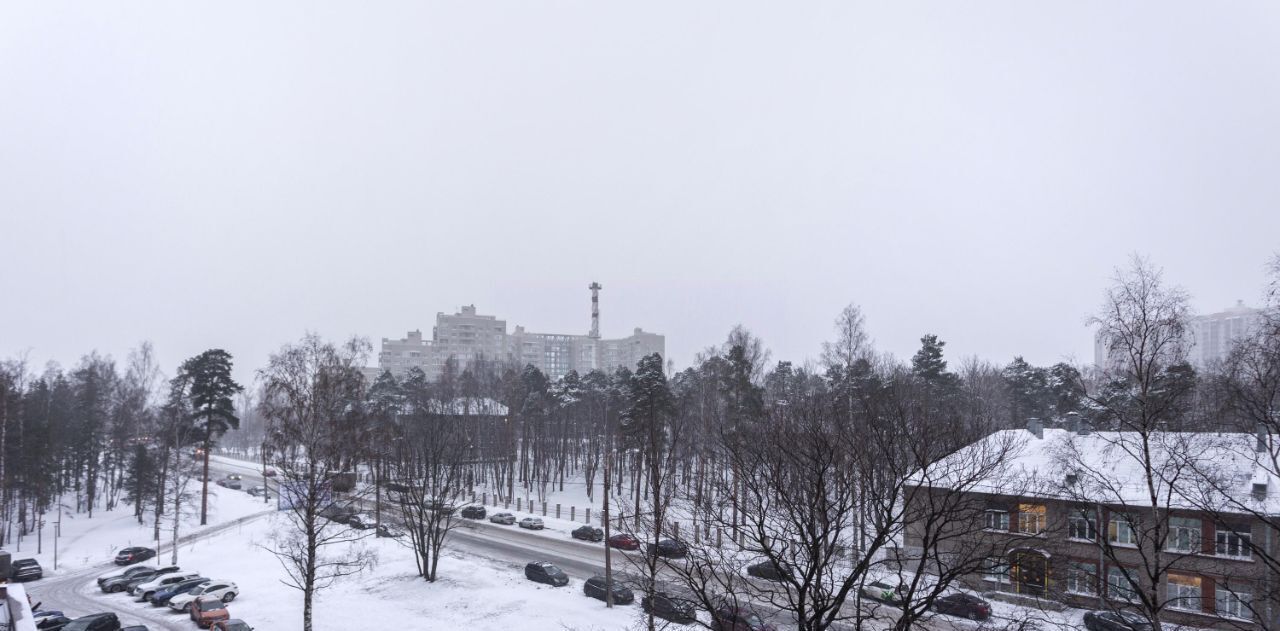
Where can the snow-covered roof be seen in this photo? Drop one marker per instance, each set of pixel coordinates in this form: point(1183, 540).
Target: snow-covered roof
point(1192, 470)
point(468, 406)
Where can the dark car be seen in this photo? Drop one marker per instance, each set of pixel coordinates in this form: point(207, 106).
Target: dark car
point(136, 627)
point(473, 512)
point(588, 533)
point(1115, 621)
point(52, 623)
point(543, 572)
point(770, 571)
point(162, 597)
point(94, 622)
point(624, 541)
point(125, 582)
point(127, 574)
point(963, 605)
point(258, 491)
point(231, 625)
point(229, 483)
point(595, 588)
point(338, 512)
point(731, 618)
point(26, 570)
point(677, 610)
point(668, 548)
point(134, 555)
point(360, 521)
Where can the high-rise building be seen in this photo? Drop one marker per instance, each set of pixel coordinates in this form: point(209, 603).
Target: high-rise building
point(1210, 337)
point(467, 336)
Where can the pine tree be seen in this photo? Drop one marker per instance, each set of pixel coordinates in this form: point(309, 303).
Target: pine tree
point(211, 392)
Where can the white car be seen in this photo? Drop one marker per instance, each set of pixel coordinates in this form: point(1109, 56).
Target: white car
point(144, 591)
point(532, 523)
point(223, 590)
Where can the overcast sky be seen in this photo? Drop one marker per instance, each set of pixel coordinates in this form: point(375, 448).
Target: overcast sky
point(233, 174)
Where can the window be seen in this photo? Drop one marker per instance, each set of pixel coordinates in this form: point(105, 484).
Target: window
point(996, 570)
point(1119, 586)
point(1233, 543)
point(1183, 592)
point(1080, 525)
point(1232, 603)
point(996, 520)
point(1120, 531)
point(1184, 535)
point(1030, 519)
point(1082, 578)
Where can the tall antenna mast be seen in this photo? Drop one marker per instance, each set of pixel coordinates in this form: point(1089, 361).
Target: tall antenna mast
point(595, 309)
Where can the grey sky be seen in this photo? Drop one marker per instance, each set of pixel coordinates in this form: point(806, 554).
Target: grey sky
point(233, 174)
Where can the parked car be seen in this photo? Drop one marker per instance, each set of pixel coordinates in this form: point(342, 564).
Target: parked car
point(624, 541)
point(54, 622)
point(257, 491)
point(439, 506)
point(269, 472)
point(228, 483)
point(677, 610)
point(506, 519)
point(206, 611)
point(225, 591)
point(532, 523)
point(885, 593)
point(385, 532)
point(231, 625)
point(360, 521)
point(543, 572)
point(145, 590)
point(473, 512)
point(134, 555)
point(136, 627)
point(1115, 621)
point(233, 476)
point(162, 597)
point(588, 533)
point(729, 618)
point(963, 605)
point(595, 588)
point(125, 582)
point(770, 571)
point(338, 512)
point(128, 574)
point(668, 548)
point(94, 622)
point(26, 570)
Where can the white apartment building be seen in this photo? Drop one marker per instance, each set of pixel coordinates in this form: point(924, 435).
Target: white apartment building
point(1211, 336)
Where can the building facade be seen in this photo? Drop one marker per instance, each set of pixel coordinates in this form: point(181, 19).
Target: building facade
point(467, 336)
point(1211, 336)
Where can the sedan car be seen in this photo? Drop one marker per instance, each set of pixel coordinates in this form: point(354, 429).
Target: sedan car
point(26, 570)
point(531, 523)
point(225, 591)
point(473, 512)
point(624, 541)
point(1115, 621)
point(677, 610)
point(134, 555)
point(206, 612)
point(543, 572)
point(730, 618)
point(94, 622)
point(963, 605)
point(506, 519)
point(668, 548)
point(595, 587)
point(770, 571)
point(588, 533)
point(161, 598)
point(231, 625)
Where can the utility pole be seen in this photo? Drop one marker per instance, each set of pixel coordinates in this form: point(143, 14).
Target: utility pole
point(608, 552)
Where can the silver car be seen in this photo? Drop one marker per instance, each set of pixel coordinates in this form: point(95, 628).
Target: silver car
point(505, 519)
point(531, 523)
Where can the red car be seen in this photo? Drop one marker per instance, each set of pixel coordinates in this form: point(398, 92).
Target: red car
point(624, 542)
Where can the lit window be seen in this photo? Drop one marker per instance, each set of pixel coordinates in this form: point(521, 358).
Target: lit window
point(996, 520)
point(1031, 518)
point(1183, 592)
point(1120, 531)
point(1184, 534)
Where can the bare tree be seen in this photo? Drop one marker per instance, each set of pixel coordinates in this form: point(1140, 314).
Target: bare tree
point(431, 446)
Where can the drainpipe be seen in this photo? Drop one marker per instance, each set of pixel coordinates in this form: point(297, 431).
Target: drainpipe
point(1100, 530)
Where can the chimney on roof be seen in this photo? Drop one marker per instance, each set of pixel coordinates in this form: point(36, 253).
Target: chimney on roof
point(1072, 422)
point(1261, 433)
point(1035, 427)
point(1260, 491)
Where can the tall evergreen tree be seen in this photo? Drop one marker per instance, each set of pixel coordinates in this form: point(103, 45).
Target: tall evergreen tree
point(211, 392)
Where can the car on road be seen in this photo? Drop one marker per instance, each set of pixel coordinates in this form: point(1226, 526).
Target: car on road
point(884, 592)
point(595, 587)
point(338, 512)
point(730, 618)
point(225, 591)
point(162, 597)
point(127, 573)
point(228, 483)
point(668, 548)
point(26, 570)
point(207, 611)
point(94, 622)
point(770, 571)
point(543, 572)
point(134, 555)
point(506, 519)
point(268, 473)
point(233, 476)
point(145, 590)
point(963, 605)
point(473, 512)
point(231, 625)
point(1115, 621)
point(257, 491)
point(624, 541)
point(532, 523)
point(671, 608)
point(587, 533)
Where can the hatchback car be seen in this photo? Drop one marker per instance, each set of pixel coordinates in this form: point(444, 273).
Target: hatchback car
point(26, 570)
point(963, 605)
point(588, 533)
point(668, 549)
point(677, 610)
point(624, 541)
point(532, 523)
point(770, 571)
point(134, 555)
point(595, 588)
point(543, 572)
point(473, 512)
point(207, 611)
point(506, 519)
point(1115, 621)
point(94, 622)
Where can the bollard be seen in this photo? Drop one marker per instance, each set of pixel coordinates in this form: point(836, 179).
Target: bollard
point(719, 537)
point(517, 503)
point(573, 517)
point(557, 511)
point(544, 509)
